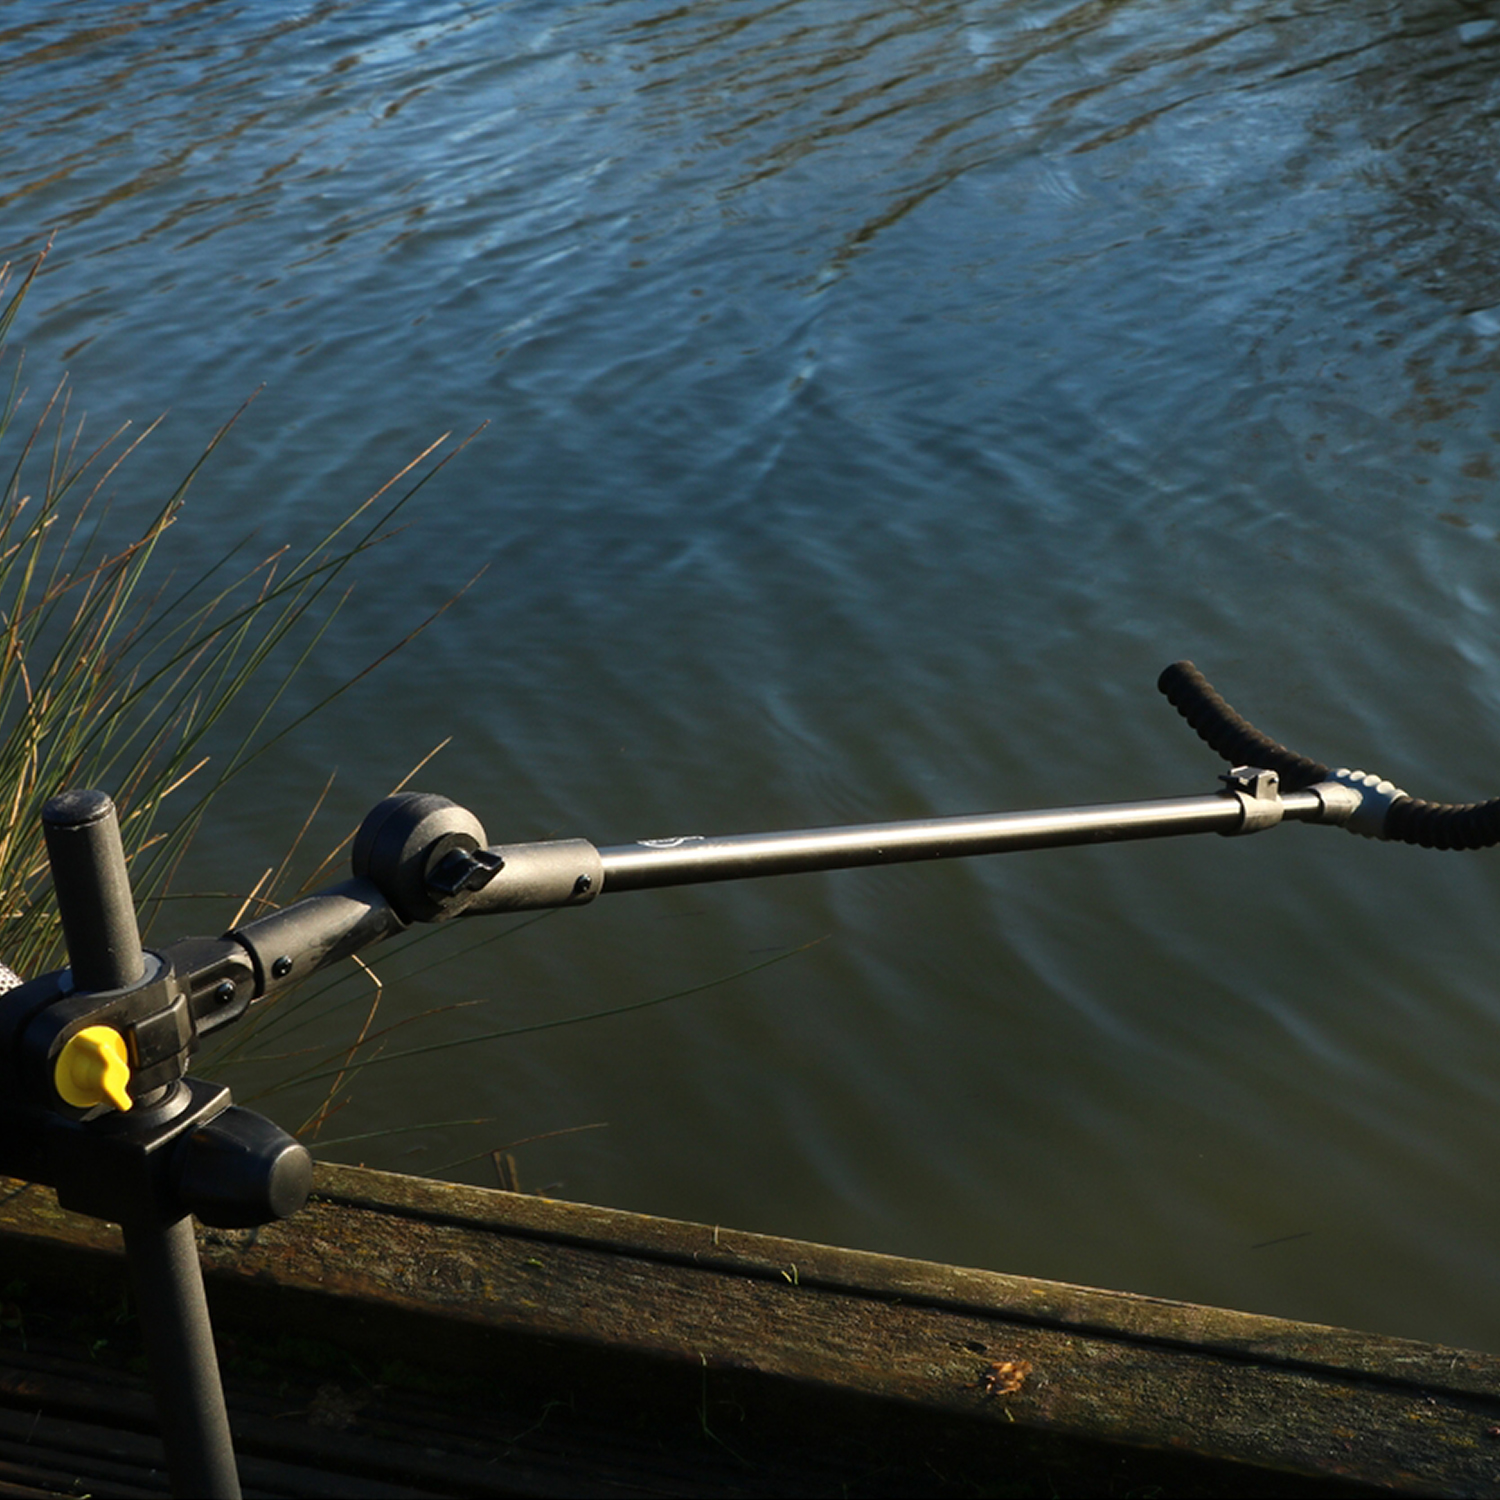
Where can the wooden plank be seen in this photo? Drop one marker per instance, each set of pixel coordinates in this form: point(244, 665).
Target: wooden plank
point(1109, 1314)
point(631, 1314)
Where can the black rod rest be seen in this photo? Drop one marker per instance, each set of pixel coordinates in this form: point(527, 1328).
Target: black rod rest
point(96, 1103)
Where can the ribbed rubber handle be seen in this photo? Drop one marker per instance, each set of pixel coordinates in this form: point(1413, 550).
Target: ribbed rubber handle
point(1410, 820)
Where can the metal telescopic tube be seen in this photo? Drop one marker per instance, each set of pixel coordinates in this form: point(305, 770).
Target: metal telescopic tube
point(104, 953)
point(662, 862)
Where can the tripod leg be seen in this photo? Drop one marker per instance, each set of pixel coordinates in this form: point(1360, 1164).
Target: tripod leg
point(173, 1311)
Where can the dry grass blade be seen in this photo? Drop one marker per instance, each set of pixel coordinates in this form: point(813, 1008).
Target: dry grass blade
point(319, 1071)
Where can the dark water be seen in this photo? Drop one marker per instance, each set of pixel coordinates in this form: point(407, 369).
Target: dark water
point(879, 395)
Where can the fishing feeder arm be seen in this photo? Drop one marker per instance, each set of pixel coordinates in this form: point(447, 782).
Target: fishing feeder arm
point(95, 1100)
point(1266, 785)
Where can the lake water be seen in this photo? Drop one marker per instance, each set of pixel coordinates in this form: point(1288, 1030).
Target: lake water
point(878, 397)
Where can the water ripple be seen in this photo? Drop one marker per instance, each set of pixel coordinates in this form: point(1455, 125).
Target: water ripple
point(878, 396)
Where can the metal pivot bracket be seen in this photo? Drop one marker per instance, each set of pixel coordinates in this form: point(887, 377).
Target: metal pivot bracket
point(1258, 792)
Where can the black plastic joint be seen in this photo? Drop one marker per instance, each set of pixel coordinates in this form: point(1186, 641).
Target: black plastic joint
point(152, 1017)
point(405, 846)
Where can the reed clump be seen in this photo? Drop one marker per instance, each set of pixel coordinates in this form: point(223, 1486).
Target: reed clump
point(114, 669)
point(115, 672)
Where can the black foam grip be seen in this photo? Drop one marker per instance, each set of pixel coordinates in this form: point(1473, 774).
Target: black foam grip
point(1229, 734)
point(1444, 825)
point(1410, 820)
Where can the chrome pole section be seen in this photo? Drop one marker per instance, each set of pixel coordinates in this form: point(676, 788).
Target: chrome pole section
point(689, 860)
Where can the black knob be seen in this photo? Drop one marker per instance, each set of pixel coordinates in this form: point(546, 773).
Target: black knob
point(239, 1170)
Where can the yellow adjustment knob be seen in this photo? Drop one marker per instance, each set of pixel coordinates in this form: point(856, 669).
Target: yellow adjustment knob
point(92, 1068)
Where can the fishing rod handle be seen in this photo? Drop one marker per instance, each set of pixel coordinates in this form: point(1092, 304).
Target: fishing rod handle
point(1398, 816)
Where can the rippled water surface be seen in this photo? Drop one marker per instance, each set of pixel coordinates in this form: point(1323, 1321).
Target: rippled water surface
point(878, 397)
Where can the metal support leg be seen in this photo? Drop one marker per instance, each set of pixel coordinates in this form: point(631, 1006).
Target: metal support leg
point(168, 1285)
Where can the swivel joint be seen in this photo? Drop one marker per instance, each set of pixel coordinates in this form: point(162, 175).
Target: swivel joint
point(428, 859)
point(425, 853)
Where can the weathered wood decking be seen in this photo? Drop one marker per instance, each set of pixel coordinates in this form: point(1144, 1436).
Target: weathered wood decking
point(401, 1336)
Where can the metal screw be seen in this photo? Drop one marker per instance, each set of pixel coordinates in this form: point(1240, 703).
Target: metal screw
point(582, 884)
point(281, 967)
point(224, 991)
